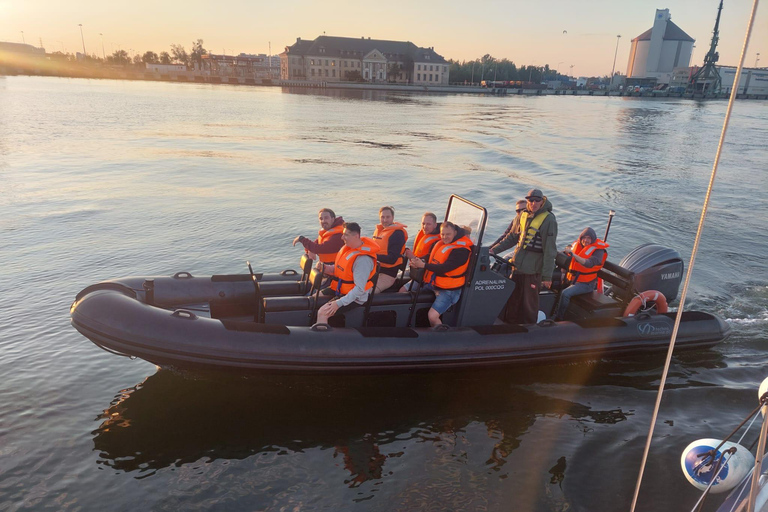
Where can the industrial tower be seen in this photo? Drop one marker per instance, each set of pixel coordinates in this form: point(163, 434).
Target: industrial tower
point(707, 79)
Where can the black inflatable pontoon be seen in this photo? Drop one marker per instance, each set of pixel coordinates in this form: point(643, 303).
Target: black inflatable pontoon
point(264, 322)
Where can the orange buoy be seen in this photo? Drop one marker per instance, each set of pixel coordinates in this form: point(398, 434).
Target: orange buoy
point(642, 299)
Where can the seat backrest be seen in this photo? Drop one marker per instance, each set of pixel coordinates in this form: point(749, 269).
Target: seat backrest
point(305, 264)
point(315, 280)
point(417, 274)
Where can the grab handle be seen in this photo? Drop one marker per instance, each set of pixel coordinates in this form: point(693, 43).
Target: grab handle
point(183, 313)
point(182, 275)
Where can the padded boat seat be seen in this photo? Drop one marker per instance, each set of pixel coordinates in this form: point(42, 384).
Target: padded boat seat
point(274, 288)
point(593, 304)
point(301, 303)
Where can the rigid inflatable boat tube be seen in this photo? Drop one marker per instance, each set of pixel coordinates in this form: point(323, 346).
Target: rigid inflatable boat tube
point(650, 295)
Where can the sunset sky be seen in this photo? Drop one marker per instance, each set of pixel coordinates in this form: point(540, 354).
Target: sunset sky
point(560, 33)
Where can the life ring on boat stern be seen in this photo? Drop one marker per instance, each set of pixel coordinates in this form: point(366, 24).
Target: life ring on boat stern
point(639, 302)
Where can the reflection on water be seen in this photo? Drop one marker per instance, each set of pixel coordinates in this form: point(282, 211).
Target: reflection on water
point(102, 179)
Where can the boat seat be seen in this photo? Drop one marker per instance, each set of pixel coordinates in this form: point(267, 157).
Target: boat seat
point(302, 303)
point(593, 304)
point(300, 287)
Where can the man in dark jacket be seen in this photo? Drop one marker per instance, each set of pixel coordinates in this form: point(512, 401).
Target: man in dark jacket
point(534, 257)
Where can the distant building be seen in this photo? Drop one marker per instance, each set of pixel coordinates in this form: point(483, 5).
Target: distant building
point(17, 57)
point(166, 68)
point(752, 81)
point(659, 50)
point(242, 66)
point(335, 59)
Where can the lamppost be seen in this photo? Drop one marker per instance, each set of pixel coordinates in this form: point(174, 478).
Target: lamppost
point(693, 49)
point(82, 38)
point(103, 53)
point(25, 42)
point(613, 69)
point(757, 58)
point(557, 69)
point(571, 70)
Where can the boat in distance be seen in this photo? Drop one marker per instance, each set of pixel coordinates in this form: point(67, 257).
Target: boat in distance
point(266, 322)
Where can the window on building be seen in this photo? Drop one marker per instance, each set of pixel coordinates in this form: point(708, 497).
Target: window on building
point(430, 77)
point(333, 63)
point(326, 72)
point(313, 71)
point(418, 76)
point(333, 72)
point(430, 68)
point(345, 64)
point(418, 67)
point(326, 62)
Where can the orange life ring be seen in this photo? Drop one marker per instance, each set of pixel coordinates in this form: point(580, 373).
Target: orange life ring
point(650, 295)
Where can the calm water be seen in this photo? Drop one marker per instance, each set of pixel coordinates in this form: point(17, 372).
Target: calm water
point(102, 179)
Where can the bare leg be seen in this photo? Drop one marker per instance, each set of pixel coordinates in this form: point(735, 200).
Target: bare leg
point(434, 317)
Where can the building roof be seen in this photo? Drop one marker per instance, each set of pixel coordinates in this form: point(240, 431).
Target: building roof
point(352, 47)
point(672, 33)
point(20, 48)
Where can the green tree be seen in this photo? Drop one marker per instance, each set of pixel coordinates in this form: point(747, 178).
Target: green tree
point(165, 58)
point(393, 70)
point(196, 55)
point(150, 57)
point(180, 55)
point(137, 59)
point(355, 76)
point(120, 57)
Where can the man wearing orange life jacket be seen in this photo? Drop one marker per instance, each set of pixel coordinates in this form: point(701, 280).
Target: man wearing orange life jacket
point(391, 237)
point(328, 241)
point(446, 269)
point(426, 239)
point(352, 271)
point(588, 255)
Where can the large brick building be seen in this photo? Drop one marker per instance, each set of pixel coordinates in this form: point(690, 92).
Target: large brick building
point(336, 59)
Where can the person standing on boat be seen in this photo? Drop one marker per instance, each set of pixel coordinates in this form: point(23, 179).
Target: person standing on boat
point(512, 234)
point(391, 237)
point(534, 257)
point(352, 272)
point(588, 255)
point(446, 271)
point(328, 241)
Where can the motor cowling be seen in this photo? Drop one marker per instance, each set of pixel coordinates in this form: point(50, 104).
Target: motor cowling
point(655, 267)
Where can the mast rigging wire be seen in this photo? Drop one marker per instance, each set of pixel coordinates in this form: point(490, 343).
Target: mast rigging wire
point(672, 340)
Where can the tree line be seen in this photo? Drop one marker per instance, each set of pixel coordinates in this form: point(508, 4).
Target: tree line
point(177, 55)
point(489, 68)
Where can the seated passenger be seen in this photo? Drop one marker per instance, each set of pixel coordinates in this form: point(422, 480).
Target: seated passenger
point(446, 270)
point(426, 239)
point(391, 237)
point(328, 241)
point(352, 273)
point(588, 255)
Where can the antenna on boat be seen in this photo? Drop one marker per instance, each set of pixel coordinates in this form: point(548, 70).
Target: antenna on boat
point(699, 231)
point(611, 213)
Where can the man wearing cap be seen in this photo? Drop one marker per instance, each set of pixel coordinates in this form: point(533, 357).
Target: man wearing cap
point(534, 258)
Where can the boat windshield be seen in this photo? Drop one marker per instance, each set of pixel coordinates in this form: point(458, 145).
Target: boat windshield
point(468, 215)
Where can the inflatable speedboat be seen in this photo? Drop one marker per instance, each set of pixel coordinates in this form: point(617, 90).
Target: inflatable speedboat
point(266, 322)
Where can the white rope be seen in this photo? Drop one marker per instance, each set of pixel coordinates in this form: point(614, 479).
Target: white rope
point(693, 255)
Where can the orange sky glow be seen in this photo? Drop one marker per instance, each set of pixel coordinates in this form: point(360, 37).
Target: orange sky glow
point(561, 33)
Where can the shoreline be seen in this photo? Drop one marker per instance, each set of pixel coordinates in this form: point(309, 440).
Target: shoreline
point(190, 77)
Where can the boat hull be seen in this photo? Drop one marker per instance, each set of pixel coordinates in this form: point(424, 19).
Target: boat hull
point(114, 316)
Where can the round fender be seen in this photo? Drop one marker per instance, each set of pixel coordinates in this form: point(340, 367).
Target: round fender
point(699, 465)
point(640, 300)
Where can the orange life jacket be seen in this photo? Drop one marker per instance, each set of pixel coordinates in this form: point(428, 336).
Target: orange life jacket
point(455, 278)
point(323, 236)
point(345, 261)
point(578, 273)
point(423, 244)
point(381, 236)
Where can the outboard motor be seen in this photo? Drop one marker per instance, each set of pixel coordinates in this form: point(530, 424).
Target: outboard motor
point(655, 267)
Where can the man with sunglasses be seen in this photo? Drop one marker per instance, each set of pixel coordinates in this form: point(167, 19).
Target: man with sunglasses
point(534, 258)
